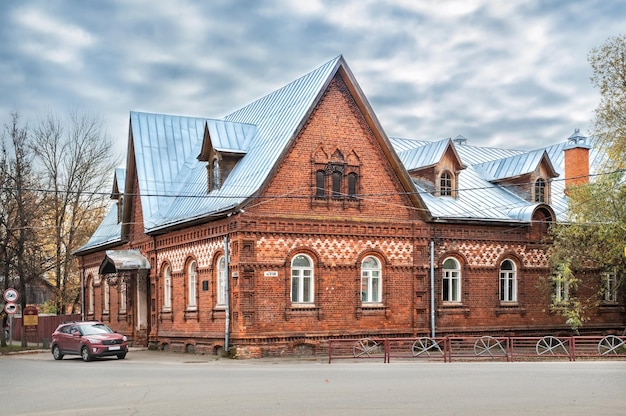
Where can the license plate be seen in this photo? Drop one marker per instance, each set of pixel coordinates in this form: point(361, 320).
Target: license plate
point(114, 348)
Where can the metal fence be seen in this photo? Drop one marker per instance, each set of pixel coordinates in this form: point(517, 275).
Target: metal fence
point(46, 324)
point(448, 349)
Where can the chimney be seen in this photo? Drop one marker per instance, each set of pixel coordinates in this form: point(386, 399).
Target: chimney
point(576, 159)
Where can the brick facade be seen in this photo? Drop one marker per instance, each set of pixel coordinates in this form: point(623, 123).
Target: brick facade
point(288, 217)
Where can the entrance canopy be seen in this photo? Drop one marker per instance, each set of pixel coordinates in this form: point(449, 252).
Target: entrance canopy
point(123, 260)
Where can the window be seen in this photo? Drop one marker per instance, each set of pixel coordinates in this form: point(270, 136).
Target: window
point(371, 284)
point(302, 279)
point(191, 283)
point(451, 288)
point(221, 281)
point(609, 281)
point(508, 282)
point(352, 185)
point(92, 298)
point(561, 290)
point(122, 296)
point(320, 191)
point(445, 184)
point(540, 190)
point(215, 179)
point(337, 177)
point(105, 307)
point(167, 288)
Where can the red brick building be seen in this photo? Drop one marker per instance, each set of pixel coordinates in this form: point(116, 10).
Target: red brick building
point(297, 219)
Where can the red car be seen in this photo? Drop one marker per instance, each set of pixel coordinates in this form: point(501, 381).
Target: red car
point(90, 340)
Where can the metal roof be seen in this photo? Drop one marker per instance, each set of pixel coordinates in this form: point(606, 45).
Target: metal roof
point(173, 182)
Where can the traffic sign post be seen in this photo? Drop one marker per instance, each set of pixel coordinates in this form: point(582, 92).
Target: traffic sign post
point(11, 295)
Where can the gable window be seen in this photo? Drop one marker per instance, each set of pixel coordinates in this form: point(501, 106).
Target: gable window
point(105, 307)
point(337, 177)
point(352, 185)
point(445, 184)
point(167, 288)
point(320, 191)
point(609, 282)
point(302, 279)
point(191, 285)
point(508, 282)
point(451, 285)
point(540, 190)
point(371, 283)
point(221, 281)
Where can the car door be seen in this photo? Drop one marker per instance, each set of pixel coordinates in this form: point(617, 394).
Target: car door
point(73, 340)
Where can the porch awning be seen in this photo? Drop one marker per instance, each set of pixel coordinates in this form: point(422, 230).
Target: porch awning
point(123, 260)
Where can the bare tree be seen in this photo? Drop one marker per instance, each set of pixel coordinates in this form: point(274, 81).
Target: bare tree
point(23, 210)
point(75, 159)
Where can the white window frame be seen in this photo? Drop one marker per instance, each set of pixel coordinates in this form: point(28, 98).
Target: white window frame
point(609, 287)
point(451, 282)
point(92, 296)
point(192, 282)
point(107, 297)
point(221, 282)
point(167, 288)
point(508, 283)
point(122, 297)
point(561, 291)
point(371, 281)
point(302, 281)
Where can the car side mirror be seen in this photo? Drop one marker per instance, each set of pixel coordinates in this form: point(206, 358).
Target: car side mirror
point(76, 334)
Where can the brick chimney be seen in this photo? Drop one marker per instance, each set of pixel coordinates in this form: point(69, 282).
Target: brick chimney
point(576, 159)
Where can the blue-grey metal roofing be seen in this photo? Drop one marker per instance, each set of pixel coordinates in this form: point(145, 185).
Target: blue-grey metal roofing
point(513, 166)
point(173, 183)
point(109, 232)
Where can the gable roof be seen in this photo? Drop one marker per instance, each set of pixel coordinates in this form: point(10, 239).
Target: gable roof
point(518, 165)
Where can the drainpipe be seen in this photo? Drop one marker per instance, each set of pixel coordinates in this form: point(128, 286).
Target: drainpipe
point(227, 296)
point(82, 292)
point(432, 289)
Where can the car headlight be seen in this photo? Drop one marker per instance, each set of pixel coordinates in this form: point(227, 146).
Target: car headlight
point(124, 338)
point(94, 340)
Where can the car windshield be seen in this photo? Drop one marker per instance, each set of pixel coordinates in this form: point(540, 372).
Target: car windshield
point(95, 329)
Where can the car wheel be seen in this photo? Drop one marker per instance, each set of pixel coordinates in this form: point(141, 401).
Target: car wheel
point(84, 353)
point(121, 356)
point(56, 353)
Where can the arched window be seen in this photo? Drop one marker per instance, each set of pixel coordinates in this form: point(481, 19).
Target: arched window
point(221, 281)
point(105, 306)
point(191, 285)
point(371, 280)
point(352, 185)
point(122, 297)
point(337, 177)
point(508, 282)
point(302, 279)
point(320, 190)
point(445, 184)
point(540, 190)
point(167, 288)
point(92, 298)
point(451, 285)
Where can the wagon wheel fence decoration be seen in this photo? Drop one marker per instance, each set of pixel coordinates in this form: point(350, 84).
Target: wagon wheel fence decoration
point(426, 346)
point(488, 345)
point(365, 347)
point(611, 344)
point(551, 345)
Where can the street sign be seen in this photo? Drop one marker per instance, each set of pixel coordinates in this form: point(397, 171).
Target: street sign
point(10, 308)
point(10, 295)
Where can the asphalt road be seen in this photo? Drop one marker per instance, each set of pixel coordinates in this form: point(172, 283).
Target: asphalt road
point(159, 383)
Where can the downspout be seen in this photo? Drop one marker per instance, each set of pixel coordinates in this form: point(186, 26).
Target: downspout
point(227, 296)
point(432, 289)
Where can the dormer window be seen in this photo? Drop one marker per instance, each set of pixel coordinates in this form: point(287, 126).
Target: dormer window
point(215, 175)
point(540, 190)
point(445, 184)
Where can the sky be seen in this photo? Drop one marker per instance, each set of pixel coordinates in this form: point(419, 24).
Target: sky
point(500, 73)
